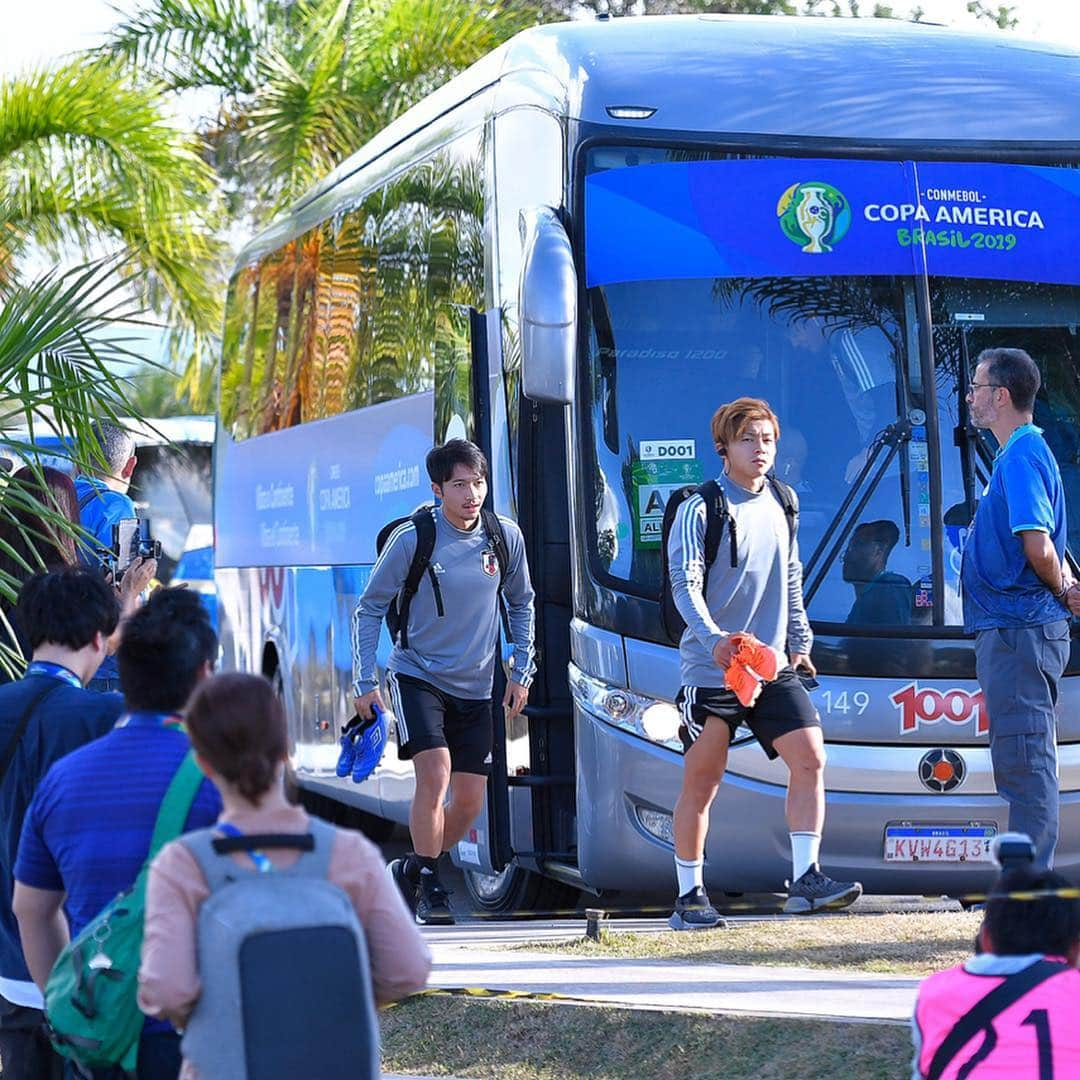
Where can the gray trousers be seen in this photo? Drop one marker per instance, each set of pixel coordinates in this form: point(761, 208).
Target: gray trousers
point(1019, 669)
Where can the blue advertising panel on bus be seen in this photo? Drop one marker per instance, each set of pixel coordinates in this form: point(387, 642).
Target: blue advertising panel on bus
point(790, 217)
point(318, 494)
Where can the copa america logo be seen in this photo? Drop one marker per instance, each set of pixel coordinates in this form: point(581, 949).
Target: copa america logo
point(942, 770)
point(814, 215)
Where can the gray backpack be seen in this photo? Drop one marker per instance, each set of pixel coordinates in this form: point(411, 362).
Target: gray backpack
point(286, 987)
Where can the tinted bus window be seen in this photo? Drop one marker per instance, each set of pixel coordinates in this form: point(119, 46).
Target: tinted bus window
point(808, 298)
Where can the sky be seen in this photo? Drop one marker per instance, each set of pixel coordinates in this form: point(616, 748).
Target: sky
point(40, 30)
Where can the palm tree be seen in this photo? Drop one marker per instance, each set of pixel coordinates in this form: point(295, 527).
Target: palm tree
point(302, 85)
point(62, 337)
point(89, 157)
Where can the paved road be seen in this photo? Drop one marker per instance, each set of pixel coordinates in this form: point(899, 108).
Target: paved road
point(477, 955)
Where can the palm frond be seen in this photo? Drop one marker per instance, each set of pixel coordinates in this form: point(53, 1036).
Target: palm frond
point(195, 43)
point(73, 171)
point(62, 338)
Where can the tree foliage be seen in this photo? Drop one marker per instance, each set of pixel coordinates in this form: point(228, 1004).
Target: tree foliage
point(89, 157)
point(62, 337)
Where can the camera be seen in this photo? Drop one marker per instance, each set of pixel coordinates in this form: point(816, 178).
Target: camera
point(131, 541)
point(1012, 850)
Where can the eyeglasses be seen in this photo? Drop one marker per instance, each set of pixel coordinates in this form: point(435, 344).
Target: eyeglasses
point(972, 387)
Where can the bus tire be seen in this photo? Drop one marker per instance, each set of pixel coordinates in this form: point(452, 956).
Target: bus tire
point(516, 891)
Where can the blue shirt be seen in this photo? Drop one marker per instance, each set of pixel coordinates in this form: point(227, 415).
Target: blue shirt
point(88, 829)
point(1025, 493)
point(99, 513)
point(63, 721)
point(100, 508)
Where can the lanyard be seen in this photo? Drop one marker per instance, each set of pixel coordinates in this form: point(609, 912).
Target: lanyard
point(259, 858)
point(151, 719)
point(54, 671)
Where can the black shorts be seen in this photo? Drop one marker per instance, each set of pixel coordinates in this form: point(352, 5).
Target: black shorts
point(428, 717)
point(784, 705)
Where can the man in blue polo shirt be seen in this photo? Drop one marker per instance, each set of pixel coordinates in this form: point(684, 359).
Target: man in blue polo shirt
point(1018, 594)
point(67, 617)
point(87, 832)
point(103, 503)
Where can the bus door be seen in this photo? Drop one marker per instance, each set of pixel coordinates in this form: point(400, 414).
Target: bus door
point(528, 819)
point(463, 411)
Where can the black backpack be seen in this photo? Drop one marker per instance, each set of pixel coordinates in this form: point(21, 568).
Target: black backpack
point(716, 516)
point(423, 518)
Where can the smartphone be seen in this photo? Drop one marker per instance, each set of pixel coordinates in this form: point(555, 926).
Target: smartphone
point(808, 680)
point(124, 534)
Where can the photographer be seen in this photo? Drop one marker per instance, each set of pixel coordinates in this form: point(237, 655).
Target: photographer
point(104, 503)
point(1009, 1011)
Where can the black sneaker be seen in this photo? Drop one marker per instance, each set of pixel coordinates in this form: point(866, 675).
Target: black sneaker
point(694, 912)
point(405, 884)
point(816, 891)
point(433, 903)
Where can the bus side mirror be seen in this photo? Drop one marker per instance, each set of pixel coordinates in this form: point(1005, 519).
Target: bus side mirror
point(547, 303)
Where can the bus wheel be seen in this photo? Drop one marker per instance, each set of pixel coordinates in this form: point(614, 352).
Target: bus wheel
point(515, 891)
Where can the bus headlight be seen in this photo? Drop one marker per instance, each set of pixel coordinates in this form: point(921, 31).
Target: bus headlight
point(657, 721)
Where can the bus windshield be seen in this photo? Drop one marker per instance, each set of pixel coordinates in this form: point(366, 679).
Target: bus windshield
point(665, 354)
point(703, 286)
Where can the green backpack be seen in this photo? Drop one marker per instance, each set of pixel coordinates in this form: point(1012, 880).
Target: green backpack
point(90, 1005)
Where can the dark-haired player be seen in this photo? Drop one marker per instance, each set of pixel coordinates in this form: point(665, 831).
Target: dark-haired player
point(440, 684)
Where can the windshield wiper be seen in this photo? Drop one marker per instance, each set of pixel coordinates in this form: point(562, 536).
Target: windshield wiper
point(895, 436)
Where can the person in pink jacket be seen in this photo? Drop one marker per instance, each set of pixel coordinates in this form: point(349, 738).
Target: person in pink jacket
point(237, 729)
point(1011, 1010)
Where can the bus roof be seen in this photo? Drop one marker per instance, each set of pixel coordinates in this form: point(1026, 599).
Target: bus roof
point(791, 81)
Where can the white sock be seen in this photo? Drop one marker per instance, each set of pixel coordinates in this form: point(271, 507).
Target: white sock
point(804, 851)
point(689, 874)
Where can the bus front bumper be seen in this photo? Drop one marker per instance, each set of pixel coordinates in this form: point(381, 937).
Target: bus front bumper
point(627, 789)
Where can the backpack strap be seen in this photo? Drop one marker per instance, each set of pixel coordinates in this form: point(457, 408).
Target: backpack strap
point(316, 863)
point(211, 850)
point(789, 501)
point(716, 515)
point(424, 522)
point(497, 538)
point(23, 724)
point(176, 805)
point(982, 1015)
point(88, 498)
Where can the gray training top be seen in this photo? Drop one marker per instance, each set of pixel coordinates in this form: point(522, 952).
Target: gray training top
point(762, 594)
point(454, 652)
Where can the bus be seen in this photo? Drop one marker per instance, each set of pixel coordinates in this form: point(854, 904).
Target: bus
point(572, 253)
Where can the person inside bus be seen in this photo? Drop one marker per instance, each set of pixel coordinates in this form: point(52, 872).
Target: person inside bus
point(839, 364)
point(881, 596)
point(440, 674)
point(1033, 937)
point(758, 604)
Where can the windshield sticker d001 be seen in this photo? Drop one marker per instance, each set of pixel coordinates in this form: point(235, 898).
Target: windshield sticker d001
point(652, 483)
point(794, 217)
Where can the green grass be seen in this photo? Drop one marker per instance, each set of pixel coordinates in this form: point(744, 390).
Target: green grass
point(529, 1041)
point(897, 944)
